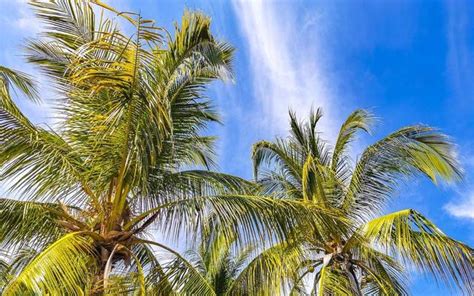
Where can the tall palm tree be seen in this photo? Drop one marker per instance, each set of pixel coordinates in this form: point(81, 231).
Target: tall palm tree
point(126, 153)
point(369, 256)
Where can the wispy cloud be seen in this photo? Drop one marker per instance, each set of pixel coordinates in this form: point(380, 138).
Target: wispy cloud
point(462, 204)
point(286, 68)
point(463, 208)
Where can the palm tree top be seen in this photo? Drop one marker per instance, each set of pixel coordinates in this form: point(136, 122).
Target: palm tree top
point(368, 255)
point(305, 156)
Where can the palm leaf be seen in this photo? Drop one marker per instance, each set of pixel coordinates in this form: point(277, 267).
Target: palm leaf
point(28, 223)
point(63, 267)
point(417, 240)
point(411, 150)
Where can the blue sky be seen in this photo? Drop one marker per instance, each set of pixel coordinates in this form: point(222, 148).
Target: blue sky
point(408, 61)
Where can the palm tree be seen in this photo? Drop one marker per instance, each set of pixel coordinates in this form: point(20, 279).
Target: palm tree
point(215, 262)
point(369, 256)
point(224, 267)
point(126, 153)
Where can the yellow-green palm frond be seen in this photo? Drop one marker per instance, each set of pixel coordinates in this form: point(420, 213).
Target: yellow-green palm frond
point(64, 267)
point(359, 120)
point(269, 272)
point(411, 150)
point(4, 273)
point(289, 159)
point(418, 241)
point(180, 275)
point(12, 79)
point(330, 281)
point(381, 274)
point(126, 281)
point(38, 162)
point(252, 218)
point(213, 260)
point(28, 223)
point(69, 25)
point(320, 184)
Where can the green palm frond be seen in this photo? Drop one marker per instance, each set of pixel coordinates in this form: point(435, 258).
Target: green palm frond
point(418, 241)
point(359, 120)
point(267, 152)
point(182, 275)
point(411, 150)
point(383, 274)
point(28, 223)
point(251, 217)
point(63, 267)
point(12, 79)
point(331, 281)
point(269, 271)
point(39, 160)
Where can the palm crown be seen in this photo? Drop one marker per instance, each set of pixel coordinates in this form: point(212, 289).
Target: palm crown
point(367, 256)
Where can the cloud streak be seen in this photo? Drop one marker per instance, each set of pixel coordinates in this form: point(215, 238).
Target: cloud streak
point(460, 69)
point(462, 209)
point(286, 68)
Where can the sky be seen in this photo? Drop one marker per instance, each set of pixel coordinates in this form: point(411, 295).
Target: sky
point(408, 62)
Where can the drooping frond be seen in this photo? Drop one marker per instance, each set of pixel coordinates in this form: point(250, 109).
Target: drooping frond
point(411, 150)
point(252, 218)
point(269, 271)
point(382, 274)
point(330, 281)
point(11, 79)
point(28, 223)
point(171, 186)
point(417, 240)
point(39, 161)
point(64, 267)
point(279, 152)
point(182, 275)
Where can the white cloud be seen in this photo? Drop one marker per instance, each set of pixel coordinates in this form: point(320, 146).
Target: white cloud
point(286, 68)
point(463, 208)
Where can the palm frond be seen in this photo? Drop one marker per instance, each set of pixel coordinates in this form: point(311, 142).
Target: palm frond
point(17, 80)
point(182, 274)
point(268, 273)
point(331, 281)
point(418, 241)
point(266, 152)
point(28, 223)
point(357, 120)
point(382, 274)
point(251, 217)
point(64, 267)
point(411, 150)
